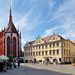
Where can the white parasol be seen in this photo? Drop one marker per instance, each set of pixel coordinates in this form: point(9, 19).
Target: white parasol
point(3, 57)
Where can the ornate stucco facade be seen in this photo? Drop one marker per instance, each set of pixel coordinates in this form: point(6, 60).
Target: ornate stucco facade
point(52, 47)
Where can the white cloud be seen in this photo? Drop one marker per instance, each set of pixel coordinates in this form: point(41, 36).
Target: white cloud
point(26, 21)
point(23, 21)
point(65, 15)
point(51, 5)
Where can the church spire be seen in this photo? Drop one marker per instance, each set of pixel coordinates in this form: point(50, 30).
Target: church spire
point(10, 17)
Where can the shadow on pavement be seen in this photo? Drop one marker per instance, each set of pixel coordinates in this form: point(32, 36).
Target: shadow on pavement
point(30, 71)
point(33, 71)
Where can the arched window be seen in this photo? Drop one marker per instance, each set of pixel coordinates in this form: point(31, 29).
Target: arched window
point(8, 45)
point(14, 47)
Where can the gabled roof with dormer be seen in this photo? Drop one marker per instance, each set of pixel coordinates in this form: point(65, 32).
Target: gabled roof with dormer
point(45, 39)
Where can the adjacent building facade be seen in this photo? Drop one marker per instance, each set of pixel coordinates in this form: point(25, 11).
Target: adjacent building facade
point(10, 40)
point(52, 47)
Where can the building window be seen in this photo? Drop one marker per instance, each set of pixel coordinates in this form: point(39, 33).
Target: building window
point(42, 47)
point(8, 46)
point(50, 52)
point(53, 45)
point(33, 48)
point(42, 52)
point(36, 53)
point(57, 51)
point(67, 45)
point(39, 41)
point(14, 47)
point(69, 52)
point(64, 44)
point(29, 49)
point(46, 46)
point(53, 38)
point(39, 53)
point(29, 54)
point(26, 49)
point(53, 51)
point(57, 44)
point(25, 54)
point(46, 52)
point(36, 47)
point(64, 51)
point(50, 45)
point(39, 47)
point(33, 53)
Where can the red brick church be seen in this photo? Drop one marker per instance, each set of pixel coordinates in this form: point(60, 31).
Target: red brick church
point(10, 40)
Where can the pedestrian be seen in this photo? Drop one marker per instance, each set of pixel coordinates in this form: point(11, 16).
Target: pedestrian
point(14, 64)
point(32, 62)
point(4, 65)
point(18, 63)
point(46, 62)
point(56, 62)
point(37, 62)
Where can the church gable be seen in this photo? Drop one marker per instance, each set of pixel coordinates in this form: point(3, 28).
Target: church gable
point(54, 38)
point(11, 28)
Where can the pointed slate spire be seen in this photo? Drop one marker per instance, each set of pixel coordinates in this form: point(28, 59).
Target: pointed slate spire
point(10, 17)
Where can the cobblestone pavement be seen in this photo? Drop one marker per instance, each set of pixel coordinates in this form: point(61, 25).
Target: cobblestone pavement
point(29, 69)
point(67, 69)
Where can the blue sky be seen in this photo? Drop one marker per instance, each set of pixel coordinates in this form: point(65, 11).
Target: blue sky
point(40, 17)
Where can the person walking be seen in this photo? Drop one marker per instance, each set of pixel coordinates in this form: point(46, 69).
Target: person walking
point(46, 62)
point(18, 63)
point(14, 64)
point(4, 66)
point(56, 62)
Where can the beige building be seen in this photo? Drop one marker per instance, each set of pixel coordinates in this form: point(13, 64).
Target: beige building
point(52, 47)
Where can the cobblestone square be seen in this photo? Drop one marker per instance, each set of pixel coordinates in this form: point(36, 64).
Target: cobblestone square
point(38, 69)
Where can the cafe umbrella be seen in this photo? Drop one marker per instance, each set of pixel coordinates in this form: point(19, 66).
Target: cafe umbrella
point(3, 57)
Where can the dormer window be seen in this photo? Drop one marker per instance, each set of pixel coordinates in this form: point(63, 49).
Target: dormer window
point(53, 38)
point(39, 41)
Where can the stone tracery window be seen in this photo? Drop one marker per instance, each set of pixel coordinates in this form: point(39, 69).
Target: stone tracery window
point(8, 45)
point(14, 47)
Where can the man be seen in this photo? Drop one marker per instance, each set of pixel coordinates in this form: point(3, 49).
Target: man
point(5, 66)
point(18, 63)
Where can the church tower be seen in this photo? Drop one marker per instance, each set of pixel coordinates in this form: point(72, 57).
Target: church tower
point(11, 39)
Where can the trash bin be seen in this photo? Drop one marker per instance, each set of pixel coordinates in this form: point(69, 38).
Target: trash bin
point(1, 66)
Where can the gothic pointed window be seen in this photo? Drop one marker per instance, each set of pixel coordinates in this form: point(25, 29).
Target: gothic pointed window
point(8, 45)
point(14, 47)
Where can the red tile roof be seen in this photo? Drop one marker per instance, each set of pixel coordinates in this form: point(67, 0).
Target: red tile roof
point(46, 38)
point(74, 41)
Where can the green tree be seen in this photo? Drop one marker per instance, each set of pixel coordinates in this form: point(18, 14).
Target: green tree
point(10, 58)
point(73, 60)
